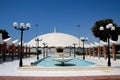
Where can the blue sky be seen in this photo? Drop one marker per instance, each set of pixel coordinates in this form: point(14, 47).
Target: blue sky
point(64, 14)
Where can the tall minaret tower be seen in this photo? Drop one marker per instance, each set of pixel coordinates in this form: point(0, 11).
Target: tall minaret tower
point(54, 29)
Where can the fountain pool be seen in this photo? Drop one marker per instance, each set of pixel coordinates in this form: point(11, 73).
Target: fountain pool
point(75, 62)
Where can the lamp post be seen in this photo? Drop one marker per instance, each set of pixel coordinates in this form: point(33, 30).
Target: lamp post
point(44, 49)
point(74, 50)
point(21, 28)
point(78, 37)
point(83, 39)
point(70, 51)
point(37, 47)
point(108, 29)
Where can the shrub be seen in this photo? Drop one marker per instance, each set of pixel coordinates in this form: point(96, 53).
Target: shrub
point(59, 49)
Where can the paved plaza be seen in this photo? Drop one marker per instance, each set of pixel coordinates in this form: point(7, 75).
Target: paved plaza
point(11, 68)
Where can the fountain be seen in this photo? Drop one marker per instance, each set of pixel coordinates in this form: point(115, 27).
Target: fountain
point(62, 59)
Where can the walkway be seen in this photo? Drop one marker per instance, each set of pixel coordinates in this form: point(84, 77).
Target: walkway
point(60, 78)
point(11, 69)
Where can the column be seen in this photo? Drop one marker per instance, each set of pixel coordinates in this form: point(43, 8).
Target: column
point(0, 49)
point(93, 51)
point(86, 49)
point(4, 47)
point(10, 51)
point(26, 51)
point(105, 51)
point(18, 51)
point(90, 52)
point(114, 52)
point(29, 51)
point(23, 54)
point(99, 51)
point(13, 50)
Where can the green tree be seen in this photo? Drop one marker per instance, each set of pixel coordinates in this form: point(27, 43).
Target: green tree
point(103, 35)
point(4, 34)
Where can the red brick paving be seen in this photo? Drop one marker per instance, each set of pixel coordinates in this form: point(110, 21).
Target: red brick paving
point(113, 77)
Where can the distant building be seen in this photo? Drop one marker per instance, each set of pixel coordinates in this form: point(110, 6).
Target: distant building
point(55, 39)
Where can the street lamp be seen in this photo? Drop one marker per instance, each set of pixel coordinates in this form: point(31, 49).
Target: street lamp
point(74, 50)
point(70, 51)
point(78, 37)
point(108, 29)
point(83, 39)
point(37, 47)
point(21, 28)
point(44, 49)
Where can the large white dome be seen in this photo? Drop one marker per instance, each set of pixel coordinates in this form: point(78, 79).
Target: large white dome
point(56, 40)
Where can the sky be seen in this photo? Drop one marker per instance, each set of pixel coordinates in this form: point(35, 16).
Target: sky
point(65, 15)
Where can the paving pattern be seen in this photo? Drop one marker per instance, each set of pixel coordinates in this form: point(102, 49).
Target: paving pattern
point(11, 71)
point(60, 78)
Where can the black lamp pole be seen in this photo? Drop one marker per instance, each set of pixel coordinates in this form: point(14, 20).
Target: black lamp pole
point(74, 50)
point(37, 40)
point(109, 61)
point(70, 51)
point(44, 49)
point(83, 40)
point(21, 28)
point(108, 29)
point(83, 50)
point(21, 63)
point(108, 39)
point(78, 37)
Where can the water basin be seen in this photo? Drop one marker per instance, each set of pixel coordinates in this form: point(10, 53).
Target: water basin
point(76, 62)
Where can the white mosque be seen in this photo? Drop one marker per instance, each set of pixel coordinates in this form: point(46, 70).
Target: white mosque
point(56, 39)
